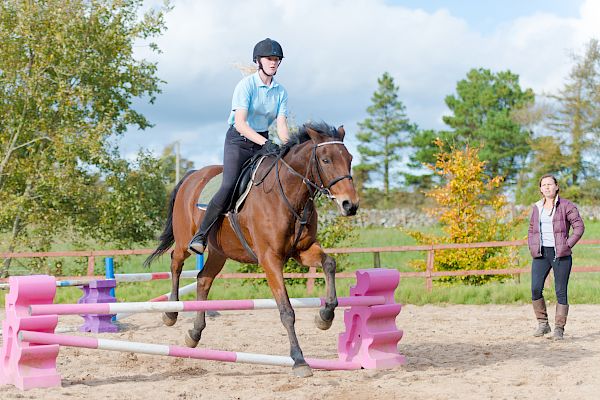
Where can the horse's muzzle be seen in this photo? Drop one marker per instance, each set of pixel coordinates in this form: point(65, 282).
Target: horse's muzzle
point(349, 208)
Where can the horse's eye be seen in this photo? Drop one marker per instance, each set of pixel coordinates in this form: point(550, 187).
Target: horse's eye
point(326, 160)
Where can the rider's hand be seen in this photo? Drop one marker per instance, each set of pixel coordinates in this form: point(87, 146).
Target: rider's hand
point(270, 147)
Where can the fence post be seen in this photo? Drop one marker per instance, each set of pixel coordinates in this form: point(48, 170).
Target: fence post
point(376, 260)
point(199, 262)
point(310, 282)
point(110, 272)
point(429, 270)
point(91, 262)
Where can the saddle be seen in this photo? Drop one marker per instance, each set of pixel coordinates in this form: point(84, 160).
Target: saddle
point(242, 188)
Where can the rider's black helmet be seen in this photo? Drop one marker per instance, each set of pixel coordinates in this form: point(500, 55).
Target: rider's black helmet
point(267, 48)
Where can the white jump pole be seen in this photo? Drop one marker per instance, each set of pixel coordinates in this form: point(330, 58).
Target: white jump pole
point(201, 305)
point(162, 298)
point(178, 351)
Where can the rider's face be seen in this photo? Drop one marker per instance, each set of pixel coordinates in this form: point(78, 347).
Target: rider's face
point(270, 64)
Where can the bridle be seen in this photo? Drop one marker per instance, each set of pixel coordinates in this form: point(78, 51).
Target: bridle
point(314, 188)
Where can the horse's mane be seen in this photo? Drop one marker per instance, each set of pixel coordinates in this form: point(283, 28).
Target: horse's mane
point(302, 135)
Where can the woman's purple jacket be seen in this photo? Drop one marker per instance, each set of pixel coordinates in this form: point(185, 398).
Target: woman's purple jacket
point(565, 216)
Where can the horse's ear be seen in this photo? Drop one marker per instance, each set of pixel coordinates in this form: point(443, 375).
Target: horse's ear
point(341, 132)
point(314, 135)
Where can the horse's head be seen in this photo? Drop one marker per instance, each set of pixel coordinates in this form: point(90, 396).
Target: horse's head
point(331, 166)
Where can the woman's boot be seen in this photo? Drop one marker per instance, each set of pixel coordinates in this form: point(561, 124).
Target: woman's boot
point(199, 241)
point(560, 320)
point(539, 308)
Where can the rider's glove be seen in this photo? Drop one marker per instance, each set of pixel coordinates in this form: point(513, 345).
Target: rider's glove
point(270, 147)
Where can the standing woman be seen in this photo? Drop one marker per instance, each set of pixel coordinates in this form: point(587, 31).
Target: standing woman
point(550, 245)
point(258, 100)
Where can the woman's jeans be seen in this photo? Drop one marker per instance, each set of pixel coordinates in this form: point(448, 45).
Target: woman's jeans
point(540, 267)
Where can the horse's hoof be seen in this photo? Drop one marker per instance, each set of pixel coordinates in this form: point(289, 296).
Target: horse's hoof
point(168, 321)
point(321, 323)
point(189, 342)
point(302, 371)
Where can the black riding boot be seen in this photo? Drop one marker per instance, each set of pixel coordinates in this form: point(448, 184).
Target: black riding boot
point(199, 241)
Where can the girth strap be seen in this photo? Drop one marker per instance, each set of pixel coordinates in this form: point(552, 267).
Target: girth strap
point(235, 224)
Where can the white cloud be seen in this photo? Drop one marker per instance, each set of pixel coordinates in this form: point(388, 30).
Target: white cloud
point(335, 51)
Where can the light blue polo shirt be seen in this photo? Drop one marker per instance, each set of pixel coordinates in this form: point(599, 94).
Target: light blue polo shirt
point(264, 103)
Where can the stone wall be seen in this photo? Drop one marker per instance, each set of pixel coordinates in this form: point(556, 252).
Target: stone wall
point(415, 218)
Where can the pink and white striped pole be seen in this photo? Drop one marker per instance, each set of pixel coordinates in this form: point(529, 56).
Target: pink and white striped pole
point(178, 351)
point(201, 305)
point(163, 297)
point(153, 276)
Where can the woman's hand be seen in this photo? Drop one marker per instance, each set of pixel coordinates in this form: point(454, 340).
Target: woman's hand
point(270, 148)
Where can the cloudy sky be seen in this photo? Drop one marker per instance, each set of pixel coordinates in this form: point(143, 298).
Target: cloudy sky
point(335, 50)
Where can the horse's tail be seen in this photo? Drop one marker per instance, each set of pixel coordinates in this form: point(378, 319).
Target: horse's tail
point(167, 238)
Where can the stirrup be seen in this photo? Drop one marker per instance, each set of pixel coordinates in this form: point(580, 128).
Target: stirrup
point(197, 245)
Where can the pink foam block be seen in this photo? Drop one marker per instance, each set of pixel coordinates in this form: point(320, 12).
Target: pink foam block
point(25, 365)
point(371, 336)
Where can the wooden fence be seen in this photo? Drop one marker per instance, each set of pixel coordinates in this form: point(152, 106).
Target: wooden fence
point(428, 274)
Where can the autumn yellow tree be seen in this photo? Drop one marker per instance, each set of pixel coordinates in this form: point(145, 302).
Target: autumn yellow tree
point(470, 209)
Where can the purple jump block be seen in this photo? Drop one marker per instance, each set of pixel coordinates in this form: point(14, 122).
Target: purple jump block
point(93, 293)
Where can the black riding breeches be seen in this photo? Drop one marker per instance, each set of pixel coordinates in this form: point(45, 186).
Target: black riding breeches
point(238, 149)
point(540, 268)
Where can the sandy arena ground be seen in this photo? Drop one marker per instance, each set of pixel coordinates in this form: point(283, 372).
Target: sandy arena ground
point(467, 352)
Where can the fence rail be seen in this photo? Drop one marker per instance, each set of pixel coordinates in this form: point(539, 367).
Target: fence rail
point(312, 274)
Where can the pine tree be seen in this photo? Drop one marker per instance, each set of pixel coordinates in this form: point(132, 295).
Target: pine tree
point(383, 135)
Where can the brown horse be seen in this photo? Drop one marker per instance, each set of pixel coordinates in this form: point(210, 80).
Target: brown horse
point(278, 220)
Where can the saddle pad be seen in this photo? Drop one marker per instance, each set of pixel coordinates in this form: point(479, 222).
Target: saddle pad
point(213, 186)
point(210, 189)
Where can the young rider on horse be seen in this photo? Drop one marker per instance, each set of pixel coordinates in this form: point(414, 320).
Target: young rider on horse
point(258, 100)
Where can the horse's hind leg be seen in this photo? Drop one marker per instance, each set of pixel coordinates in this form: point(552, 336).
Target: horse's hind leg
point(178, 256)
point(213, 265)
point(316, 257)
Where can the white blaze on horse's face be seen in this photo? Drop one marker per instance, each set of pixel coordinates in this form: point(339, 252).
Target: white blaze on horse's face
point(334, 168)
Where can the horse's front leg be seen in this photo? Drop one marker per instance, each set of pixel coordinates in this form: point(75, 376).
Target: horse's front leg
point(316, 257)
point(274, 271)
point(177, 258)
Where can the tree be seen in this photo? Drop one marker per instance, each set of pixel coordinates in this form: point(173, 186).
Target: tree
point(547, 157)
point(577, 117)
point(424, 152)
point(68, 76)
point(482, 117)
point(470, 210)
point(568, 132)
point(168, 160)
point(384, 134)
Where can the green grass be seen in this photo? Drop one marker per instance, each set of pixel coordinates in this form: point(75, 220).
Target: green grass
point(583, 287)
